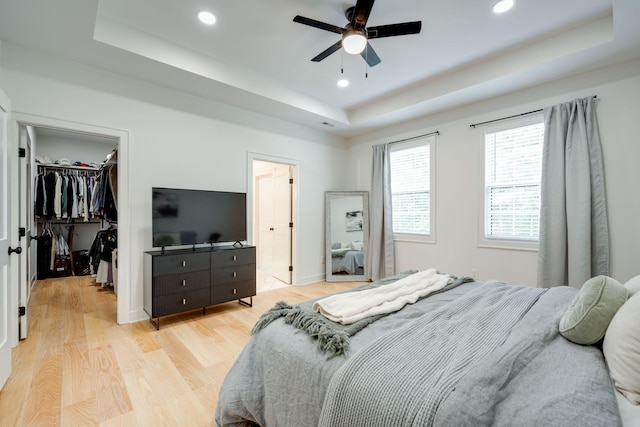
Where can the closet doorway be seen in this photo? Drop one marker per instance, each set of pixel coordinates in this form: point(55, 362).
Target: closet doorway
point(79, 157)
point(273, 221)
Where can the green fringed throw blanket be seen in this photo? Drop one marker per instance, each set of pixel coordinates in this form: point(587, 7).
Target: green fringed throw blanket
point(331, 337)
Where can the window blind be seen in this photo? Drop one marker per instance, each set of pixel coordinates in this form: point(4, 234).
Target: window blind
point(410, 189)
point(513, 167)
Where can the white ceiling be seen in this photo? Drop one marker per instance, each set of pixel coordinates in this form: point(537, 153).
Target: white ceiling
point(257, 58)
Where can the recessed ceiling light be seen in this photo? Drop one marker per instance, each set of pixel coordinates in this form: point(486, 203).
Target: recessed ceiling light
point(343, 82)
point(206, 17)
point(502, 6)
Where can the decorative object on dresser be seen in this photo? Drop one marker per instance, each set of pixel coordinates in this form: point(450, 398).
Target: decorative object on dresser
point(183, 280)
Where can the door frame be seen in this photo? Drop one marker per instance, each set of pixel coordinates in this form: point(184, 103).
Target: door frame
point(121, 138)
point(8, 239)
point(25, 182)
point(251, 156)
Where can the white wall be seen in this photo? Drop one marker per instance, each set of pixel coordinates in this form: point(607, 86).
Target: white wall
point(178, 140)
point(459, 151)
point(87, 152)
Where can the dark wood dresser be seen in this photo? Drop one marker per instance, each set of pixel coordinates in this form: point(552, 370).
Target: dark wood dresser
point(187, 279)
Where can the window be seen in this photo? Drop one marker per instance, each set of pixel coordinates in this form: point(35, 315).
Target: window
point(513, 164)
point(411, 194)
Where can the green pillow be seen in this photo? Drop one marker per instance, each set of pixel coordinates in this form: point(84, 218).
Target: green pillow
point(592, 309)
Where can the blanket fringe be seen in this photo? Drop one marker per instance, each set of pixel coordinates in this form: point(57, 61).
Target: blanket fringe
point(328, 340)
point(279, 310)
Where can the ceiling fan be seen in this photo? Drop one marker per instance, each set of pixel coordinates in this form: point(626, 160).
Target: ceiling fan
point(356, 34)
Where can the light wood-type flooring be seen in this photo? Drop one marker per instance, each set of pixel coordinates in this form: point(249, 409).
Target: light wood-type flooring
point(78, 367)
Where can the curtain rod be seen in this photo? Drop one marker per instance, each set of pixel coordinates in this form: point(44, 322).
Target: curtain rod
point(511, 117)
point(414, 137)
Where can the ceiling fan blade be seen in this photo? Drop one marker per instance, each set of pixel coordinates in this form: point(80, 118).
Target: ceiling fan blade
point(327, 51)
point(370, 56)
point(361, 13)
point(317, 24)
point(394, 30)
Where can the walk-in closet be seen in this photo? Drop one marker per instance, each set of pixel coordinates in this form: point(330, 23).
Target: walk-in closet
point(75, 217)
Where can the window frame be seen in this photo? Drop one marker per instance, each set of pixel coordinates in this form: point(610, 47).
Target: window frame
point(417, 142)
point(501, 243)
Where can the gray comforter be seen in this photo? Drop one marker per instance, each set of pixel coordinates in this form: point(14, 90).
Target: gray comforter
point(476, 355)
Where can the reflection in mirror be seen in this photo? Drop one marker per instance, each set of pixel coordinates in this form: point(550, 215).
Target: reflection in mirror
point(347, 235)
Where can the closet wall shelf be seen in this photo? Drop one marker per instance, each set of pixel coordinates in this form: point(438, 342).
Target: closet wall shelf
point(65, 222)
point(70, 167)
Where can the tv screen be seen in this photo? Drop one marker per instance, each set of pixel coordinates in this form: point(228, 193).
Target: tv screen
point(189, 217)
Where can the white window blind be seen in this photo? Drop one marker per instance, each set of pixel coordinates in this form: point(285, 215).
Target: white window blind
point(411, 188)
point(513, 163)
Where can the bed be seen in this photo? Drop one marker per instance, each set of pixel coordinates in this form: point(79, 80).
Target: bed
point(470, 354)
point(348, 262)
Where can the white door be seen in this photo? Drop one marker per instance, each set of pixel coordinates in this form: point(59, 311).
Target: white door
point(282, 223)
point(5, 242)
point(24, 215)
point(264, 184)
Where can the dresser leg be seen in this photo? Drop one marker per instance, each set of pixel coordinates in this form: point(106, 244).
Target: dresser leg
point(248, 304)
point(156, 324)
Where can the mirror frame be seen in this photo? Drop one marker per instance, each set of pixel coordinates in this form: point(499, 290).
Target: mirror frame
point(329, 196)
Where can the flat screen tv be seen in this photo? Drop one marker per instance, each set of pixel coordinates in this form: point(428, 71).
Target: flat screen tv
point(190, 217)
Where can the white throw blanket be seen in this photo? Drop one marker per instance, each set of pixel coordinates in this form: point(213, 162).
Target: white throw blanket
point(350, 307)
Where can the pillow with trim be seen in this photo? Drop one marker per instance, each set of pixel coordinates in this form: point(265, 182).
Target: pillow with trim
point(588, 317)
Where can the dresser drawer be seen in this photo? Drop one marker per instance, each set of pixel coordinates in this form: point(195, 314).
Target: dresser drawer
point(233, 274)
point(178, 302)
point(235, 291)
point(182, 263)
point(233, 256)
point(181, 282)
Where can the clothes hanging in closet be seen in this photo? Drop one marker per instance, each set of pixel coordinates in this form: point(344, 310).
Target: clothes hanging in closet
point(108, 193)
point(65, 195)
point(101, 255)
point(53, 253)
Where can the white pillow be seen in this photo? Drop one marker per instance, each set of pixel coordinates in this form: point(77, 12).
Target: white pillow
point(633, 286)
point(621, 348)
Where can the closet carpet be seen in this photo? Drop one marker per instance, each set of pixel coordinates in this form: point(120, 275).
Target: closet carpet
point(78, 367)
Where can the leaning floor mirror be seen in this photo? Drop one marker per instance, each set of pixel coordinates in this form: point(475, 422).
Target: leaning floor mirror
point(347, 235)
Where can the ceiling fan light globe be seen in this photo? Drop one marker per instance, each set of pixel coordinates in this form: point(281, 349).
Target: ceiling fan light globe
point(354, 43)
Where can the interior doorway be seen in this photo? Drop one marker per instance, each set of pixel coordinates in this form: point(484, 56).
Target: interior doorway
point(52, 147)
point(273, 222)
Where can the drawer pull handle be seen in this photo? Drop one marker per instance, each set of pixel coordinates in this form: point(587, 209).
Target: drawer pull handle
point(235, 274)
point(235, 291)
point(184, 301)
point(184, 263)
point(235, 257)
point(184, 282)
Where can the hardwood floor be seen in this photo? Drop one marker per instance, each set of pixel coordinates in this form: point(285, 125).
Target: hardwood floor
point(78, 367)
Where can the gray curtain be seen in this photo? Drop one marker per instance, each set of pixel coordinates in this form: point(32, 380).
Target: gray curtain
point(574, 234)
point(380, 258)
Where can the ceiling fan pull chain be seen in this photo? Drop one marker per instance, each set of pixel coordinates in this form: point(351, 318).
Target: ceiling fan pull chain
point(366, 62)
